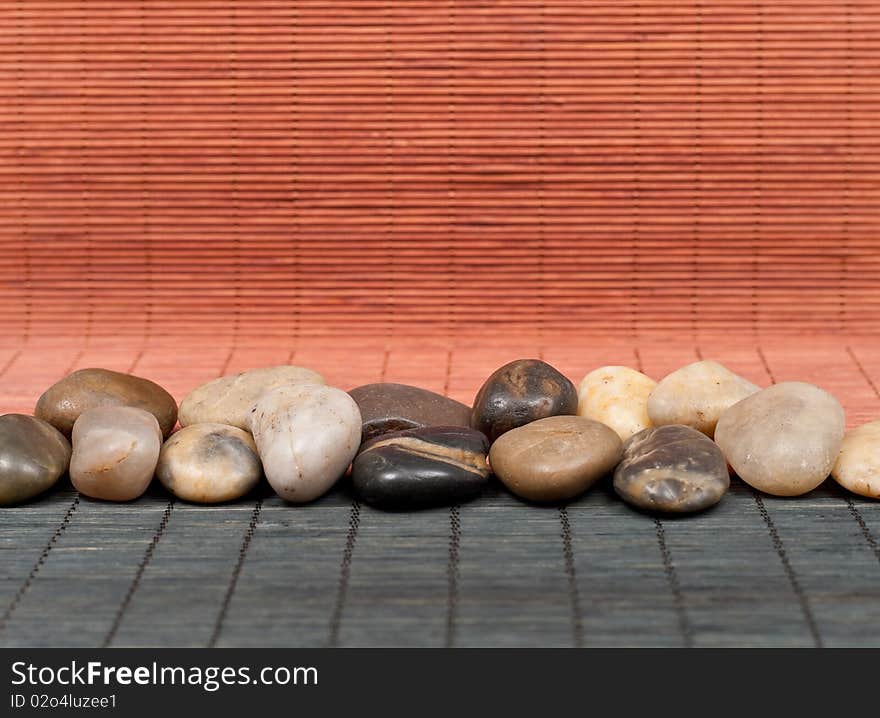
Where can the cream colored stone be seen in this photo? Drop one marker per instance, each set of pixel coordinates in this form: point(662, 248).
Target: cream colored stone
point(306, 435)
point(617, 396)
point(209, 463)
point(229, 399)
point(115, 450)
point(696, 395)
point(858, 464)
point(785, 439)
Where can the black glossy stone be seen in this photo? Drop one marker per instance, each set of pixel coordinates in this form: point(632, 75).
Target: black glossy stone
point(671, 469)
point(33, 456)
point(433, 466)
point(388, 407)
point(519, 393)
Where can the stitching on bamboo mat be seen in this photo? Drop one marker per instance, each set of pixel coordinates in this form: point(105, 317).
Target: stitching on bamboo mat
point(577, 623)
point(354, 522)
point(789, 570)
point(136, 581)
point(44, 554)
point(684, 624)
point(236, 573)
point(344, 574)
point(863, 526)
point(452, 574)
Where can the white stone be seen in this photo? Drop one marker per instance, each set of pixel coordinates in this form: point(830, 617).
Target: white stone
point(696, 395)
point(115, 450)
point(306, 435)
point(785, 439)
point(229, 399)
point(617, 396)
point(858, 464)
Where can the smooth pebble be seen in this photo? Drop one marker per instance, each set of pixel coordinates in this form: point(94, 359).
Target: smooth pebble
point(229, 399)
point(63, 402)
point(671, 469)
point(306, 437)
point(33, 456)
point(858, 465)
point(556, 458)
point(209, 463)
point(432, 466)
point(696, 395)
point(618, 397)
point(115, 450)
point(785, 439)
point(521, 392)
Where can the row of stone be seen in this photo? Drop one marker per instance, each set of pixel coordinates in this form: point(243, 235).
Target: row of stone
point(408, 447)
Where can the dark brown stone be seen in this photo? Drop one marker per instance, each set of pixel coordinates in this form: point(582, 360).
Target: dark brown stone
point(521, 392)
point(388, 407)
point(64, 401)
point(432, 466)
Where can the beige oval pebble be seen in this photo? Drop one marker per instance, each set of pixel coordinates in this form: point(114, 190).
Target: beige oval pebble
point(783, 440)
point(618, 397)
point(696, 395)
point(115, 450)
point(556, 458)
point(209, 463)
point(229, 399)
point(306, 435)
point(858, 464)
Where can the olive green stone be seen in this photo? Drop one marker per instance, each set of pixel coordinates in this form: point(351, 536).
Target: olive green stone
point(33, 456)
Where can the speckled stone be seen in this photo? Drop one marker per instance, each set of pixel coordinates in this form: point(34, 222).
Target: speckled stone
point(696, 395)
point(306, 437)
point(521, 392)
point(434, 466)
point(389, 407)
point(209, 463)
point(618, 397)
point(556, 458)
point(33, 456)
point(115, 450)
point(671, 469)
point(229, 399)
point(858, 464)
point(785, 439)
point(63, 402)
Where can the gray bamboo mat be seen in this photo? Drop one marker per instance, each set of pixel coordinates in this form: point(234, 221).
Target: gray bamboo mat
point(755, 571)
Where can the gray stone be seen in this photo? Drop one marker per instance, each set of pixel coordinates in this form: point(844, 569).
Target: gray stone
point(33, 456)
point(671, 469)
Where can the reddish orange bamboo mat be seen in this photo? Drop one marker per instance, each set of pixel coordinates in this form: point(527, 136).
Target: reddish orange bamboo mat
point(300, 169)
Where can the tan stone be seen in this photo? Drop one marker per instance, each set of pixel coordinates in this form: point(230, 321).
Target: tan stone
point(785, 439)
point(209, 463)
point(63, 402)
point(556, 458)
point(858, 464)
point(115, 450)
point(229, 399)
point(306, 436)
point(617, 396)
point(696, 395)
